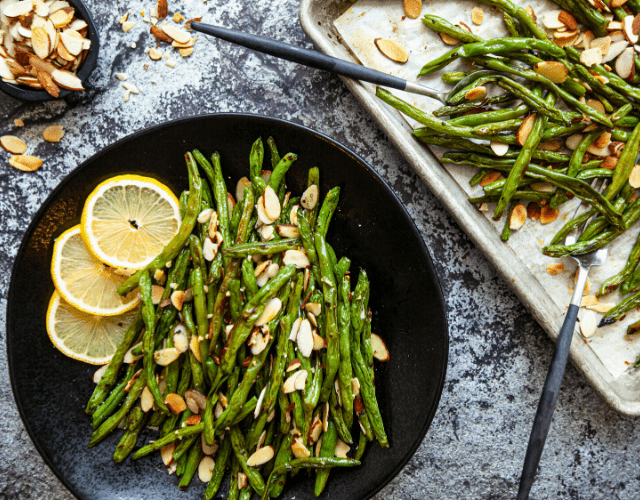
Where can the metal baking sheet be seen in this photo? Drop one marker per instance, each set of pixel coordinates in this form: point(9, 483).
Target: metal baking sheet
point(317, 18)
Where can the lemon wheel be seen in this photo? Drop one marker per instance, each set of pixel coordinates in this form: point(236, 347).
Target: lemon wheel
point(82, 336)
point(127, 220)
point(85, 282)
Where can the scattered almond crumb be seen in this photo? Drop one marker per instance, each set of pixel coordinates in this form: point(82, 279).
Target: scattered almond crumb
point(155, 55)
point(171, 63)
point(589, 300)
point(477, 16)
point(126, 95)
point(124, 18)
point(121, 76)
point(18, 122)
point(177, 17)
point(127, 26)
point(53, 133)
point(555, 268)
point(186, 52)
point(133, 45)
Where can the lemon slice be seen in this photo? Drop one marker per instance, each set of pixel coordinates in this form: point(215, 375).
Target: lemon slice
point(127, 220)
point(82, 336)
point(85, 282)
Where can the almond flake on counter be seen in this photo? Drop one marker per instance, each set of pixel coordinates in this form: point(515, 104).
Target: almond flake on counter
point(121, 76)
point(155, 55)
point(477, 16)
point(171, 63)
point(133, 45)
point(53, 133)
point(126, 95)
point(130, 87)
point(124, 18)
point(177, 17)
point(126, 26)
point(555, 268)
point(186, 52)
point(18, 122)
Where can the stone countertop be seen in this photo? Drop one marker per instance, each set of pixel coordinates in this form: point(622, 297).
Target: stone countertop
point(498, 355)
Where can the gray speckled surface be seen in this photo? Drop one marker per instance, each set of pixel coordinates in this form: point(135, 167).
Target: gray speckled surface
point(498, 354)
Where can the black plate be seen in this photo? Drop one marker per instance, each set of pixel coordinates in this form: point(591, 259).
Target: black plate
point(370, 226)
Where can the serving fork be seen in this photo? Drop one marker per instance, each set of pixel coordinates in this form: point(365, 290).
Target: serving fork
point(552, 383)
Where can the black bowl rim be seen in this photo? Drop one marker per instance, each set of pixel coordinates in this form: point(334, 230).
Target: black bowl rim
point(89, 64)
point(250, 116)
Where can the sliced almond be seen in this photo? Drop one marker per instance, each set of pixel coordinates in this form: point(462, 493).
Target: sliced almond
point(603, 140)
point(476, 94)
point(589, 300)
point(288, 231)
point(176, 34)
point(26, 163)
point(616, 3)
point(196, 401)
point(242, 183)
point(271, 310)
point(258, 409)
point(18, 9)
point(615, 50)
point(61, 18)
point(299, 450)
point(392, 49)
point(289, 384)
point(517, 219)
point(177, 299)
point(128, 26)
point(551, 20)
point(205, 467)
point(294, 365)
point(542, 187)
point(566, 38)
point(315, 430)
point(617, 36)
point(314, 308)
point(13, 145)
point(186, 52)
point(341, 449)
point(304, 338)
point(295, 328)
point(271, 204)
point(261, 456)
point(380, 351)
point(194, 346)
point(71, 42)
point(625, 65)
point(477, 16)
point(66, 80)
point(602, 307)
point(166, 452)
point(296, 257)
point(567, 19)
point(309, 198)
point(207, 449)
point(193, 420)
point(491, 176)
point(551, 145)
point(610, 163)
point(154, 55)
point(635, 25)
point(548, 214)
point(301, 380)
point(588, 324)
point(97, 375)
point(634, 177)
point(40, 42)
point(627, 29)
point(449, 40)
point(525, 129)
point(573, 141)
point(591, 56)
point(499, 148)
point(164, 357)
point(553, 70)
point(162, 9)
point(555, 268)
point(175, 403)
point(318, 342)
point(412, 8)
point(355, 386)
point(146, 400)
point(160, 34)
point(129, 357)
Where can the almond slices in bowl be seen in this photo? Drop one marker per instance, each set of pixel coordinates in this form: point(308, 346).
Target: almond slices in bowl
point(42, 44)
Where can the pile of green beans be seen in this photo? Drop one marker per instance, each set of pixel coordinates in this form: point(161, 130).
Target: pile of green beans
point(219, 366)
point(597, 104)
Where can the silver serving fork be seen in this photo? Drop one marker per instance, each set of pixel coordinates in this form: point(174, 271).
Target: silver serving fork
point(552, 383)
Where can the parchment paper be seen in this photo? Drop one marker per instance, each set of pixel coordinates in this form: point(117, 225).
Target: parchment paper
point(370, 19)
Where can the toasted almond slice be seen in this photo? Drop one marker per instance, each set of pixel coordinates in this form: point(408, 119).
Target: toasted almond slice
point(449, 40)
point(617, 36)
point(476, 94)
point(242, 183)
point(294, 365)
point(64, 54)
point(175, 403)
point(624, 64)
point(634, 177)
point(128, 26)
point(206, 465)
point(602, 307)
point(186, 52)
point(525, 129)
point(18, 9)
point(499, 148)
point(603, 140)
point(551, 145)
point(627, 29)
point(271, 204)
point(299, 450)
point(296, 257)
point(26, 163)
point(258, 409)
point(270, 311)
point(597, 105)
point(205, 215)
point(57, 5)
point(568, 20)
point(602, 43)
point(289, 385)
point(542, 187)
point(207, 449)
point(267, 233)
point(304, 338)
point(533, 211)
point(195, 400)
point(573, 141)
point(66, 80)
point(160, 34)
point(301, 380)
point(166, 452)
point(589, 300)
point(517, 219)
point(194, 346)
point(392, 49)
point(309, 198)
point(566, 38)
point(635, 25)
point(60, 18)
point(97, 375)
point(288, 230)
point(72, 43)
point(615, 50)
point(176, 34)
point(617, 3)
point(261, 456)
point(162, 9)
point(591, 56)
point(177, 299)
point(341, 449)
point(146, 400)
point(315, 430)
point(78, 24)
point(380, 351)
point(13, 145)
point(491, 176)
point(355, 386)
point(588, 324)
point(318, 342)
point(551, 20)
point(164, 357)
point(553, 70)
point(295, 328)
point(477, 16)
point(193, 420)
point(412, 8)
point(41, 44)
point(548, 214)
point(610, 163)
point(155, 55)
point(314, 308)
point(555, 268)
point(180, 338)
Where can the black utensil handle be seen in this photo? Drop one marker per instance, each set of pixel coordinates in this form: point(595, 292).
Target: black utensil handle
point(302, 56)
point(547, 403)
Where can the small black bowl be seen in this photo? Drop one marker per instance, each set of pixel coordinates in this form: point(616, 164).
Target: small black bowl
point(28, 94)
